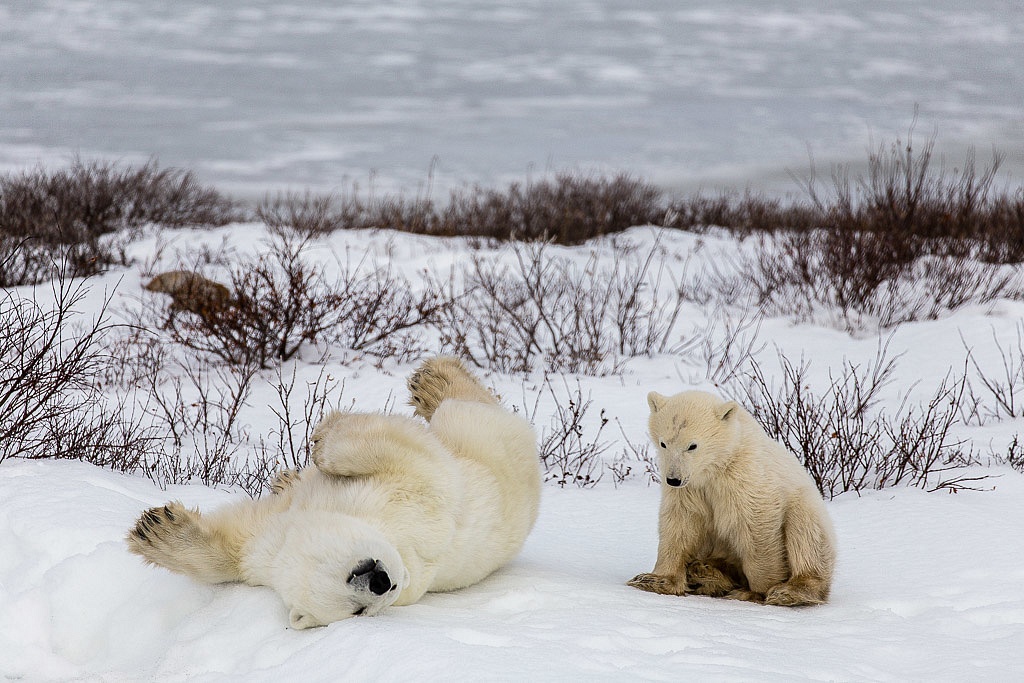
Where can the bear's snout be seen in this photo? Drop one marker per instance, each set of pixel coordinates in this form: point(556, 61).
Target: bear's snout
point(675, 483)
point(380, 582)
point(372, 575)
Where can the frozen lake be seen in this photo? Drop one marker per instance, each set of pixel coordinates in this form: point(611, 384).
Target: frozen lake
point(280, 95)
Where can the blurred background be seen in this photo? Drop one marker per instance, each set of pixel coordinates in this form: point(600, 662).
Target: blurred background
point(425, 96)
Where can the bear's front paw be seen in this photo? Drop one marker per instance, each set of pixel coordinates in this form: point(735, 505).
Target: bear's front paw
point(658, 583)
point(163, 531)
point(284, 481)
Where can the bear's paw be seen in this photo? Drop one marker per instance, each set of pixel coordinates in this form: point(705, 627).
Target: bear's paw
point(658, 583)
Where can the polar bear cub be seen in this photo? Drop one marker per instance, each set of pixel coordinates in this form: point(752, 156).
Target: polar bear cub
point(392, 508)
point(740, 516)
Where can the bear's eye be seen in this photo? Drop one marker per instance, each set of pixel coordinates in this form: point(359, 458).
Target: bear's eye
point(692, 447)
point(663, 445)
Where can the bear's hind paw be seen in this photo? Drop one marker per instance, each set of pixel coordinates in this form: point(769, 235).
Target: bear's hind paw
point(705, 579)
point(795, 593)
point(440, 378)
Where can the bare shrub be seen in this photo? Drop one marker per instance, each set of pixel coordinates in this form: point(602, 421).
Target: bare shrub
point(198, 408)
point(291, 438)
point(633, 455)
point(568, 208)
point(383, 316)
point(570, 447)
point(846, 442)
point(574, 319)
point(742, 214)
point(1006, 387)
point(50, 403)
point(310, 215)
point(1014, 456)
point(854, 278)
point(281, 301)
point(724, 355)
point(71, 214)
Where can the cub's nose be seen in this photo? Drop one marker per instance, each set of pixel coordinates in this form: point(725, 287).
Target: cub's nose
point(676, 483)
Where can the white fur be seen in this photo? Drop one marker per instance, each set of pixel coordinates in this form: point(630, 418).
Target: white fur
point(438, 507)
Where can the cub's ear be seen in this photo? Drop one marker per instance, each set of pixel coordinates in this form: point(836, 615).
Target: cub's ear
point(656, 401)
point(727, 409)
point(300, 620)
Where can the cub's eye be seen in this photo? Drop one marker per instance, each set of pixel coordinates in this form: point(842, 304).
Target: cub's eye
point(692, 447)
point(663, 445)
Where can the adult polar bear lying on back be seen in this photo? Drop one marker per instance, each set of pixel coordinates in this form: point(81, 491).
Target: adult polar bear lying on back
point(740, 516)
point(391, 510)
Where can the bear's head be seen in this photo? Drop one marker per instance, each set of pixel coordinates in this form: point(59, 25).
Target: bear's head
point(693, 432)
point(343, 571)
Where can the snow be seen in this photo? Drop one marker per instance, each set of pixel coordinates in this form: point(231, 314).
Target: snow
point(691, 95)
point(928, 588)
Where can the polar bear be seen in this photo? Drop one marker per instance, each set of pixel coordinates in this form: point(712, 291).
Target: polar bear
point(740, 516)
point(392, 508)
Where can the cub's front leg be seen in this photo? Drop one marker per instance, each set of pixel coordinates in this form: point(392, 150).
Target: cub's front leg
point(681, 537)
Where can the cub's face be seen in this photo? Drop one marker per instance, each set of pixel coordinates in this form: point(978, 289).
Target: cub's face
point(361, 577)
point(690, 431)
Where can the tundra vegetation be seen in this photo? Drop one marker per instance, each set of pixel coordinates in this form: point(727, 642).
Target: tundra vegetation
point(551, 291)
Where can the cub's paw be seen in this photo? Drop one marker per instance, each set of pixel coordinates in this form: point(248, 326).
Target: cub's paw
point(284, 481)
point(161, 532)
point(789, 595)
point(658, 583)
point(440, 378)
point(745, 596)
point(706, 579)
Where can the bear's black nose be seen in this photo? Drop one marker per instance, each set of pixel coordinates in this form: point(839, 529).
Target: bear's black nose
point(674, 482)
point(380, 582)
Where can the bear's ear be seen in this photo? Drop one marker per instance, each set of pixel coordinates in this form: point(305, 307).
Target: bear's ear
point(656, 401)
point(300, 620)
point(727, 409)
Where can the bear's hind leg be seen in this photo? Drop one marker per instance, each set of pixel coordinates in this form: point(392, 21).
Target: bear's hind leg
point(441, 378)
point(177, 538)
point(713, 577)
point(810, 550)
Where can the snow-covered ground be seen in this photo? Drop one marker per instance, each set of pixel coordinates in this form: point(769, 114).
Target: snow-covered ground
point(274, 95)
point(928, 584)
point(928, 589)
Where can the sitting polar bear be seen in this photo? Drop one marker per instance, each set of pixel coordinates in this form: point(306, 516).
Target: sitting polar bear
point(391, 510)
point(740, 517)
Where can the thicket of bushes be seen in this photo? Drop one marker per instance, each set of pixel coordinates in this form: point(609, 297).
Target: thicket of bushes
point(81, 216)
point(857, 255)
